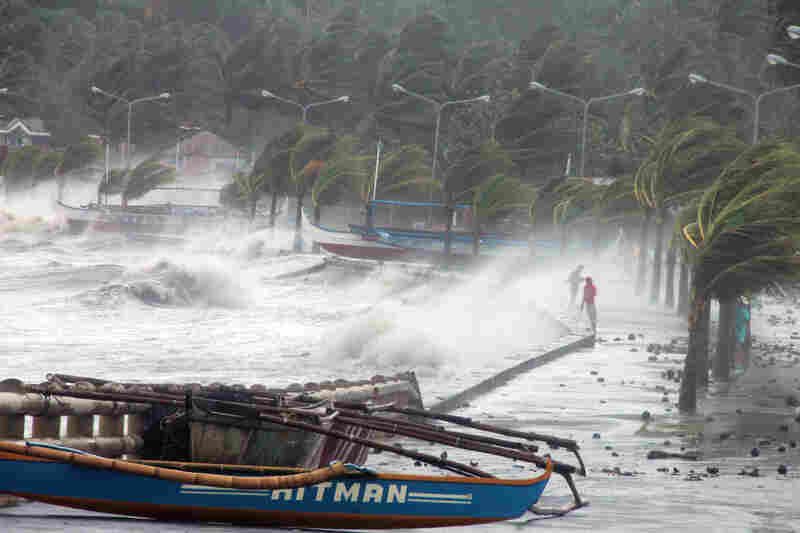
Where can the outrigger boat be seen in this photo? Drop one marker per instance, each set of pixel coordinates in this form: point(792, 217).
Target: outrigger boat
point(384, 243)
point(339, 495)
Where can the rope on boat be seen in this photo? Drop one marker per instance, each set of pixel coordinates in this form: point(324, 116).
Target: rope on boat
point(333, 471)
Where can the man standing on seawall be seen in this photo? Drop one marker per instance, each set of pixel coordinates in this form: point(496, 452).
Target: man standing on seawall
point(589, 294)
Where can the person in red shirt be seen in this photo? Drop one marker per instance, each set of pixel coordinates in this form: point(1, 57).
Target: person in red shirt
point(589, 294)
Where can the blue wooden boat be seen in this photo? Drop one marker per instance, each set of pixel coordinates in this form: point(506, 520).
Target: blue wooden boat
point(339, 496)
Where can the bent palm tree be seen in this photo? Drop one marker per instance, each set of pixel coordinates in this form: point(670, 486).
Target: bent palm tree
point(744, 237)
point(684, 158)
point(498, 195)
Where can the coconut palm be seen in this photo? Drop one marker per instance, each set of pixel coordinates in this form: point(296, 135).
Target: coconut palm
point(250, 187)
point(743, 238)
point(138, 181)
point(406, 168)
point(684, 158)
point(498, 195)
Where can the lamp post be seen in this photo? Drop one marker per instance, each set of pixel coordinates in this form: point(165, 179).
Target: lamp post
point(304, 108)
point(440, 106)
point(130, 104)
point(182, 127)
point(103, 139)
point(639, 91)
point(298, 239)
point(695, 79)
point(794, 32)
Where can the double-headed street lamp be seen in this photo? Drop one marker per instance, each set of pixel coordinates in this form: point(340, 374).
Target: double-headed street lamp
point(342, 99)
point(639, 91)
point(440, 106)
point(130, 104)
point(772, 59)
point(794, 32)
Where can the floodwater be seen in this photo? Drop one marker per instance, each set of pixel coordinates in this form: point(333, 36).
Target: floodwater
point(238, 310)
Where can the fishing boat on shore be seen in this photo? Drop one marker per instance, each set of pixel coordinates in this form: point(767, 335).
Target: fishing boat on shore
point(155, 219)
point(386, 243)
point(336, 495)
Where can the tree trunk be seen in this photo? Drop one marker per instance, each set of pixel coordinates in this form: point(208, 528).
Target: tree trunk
point(726, 339)
point(672, 256)
point(683, 288)
point(298, 224)
point(563, 230)
point(642, 266)
point(317, 218)
point(695, 368)
point(655, 282)
point(448, 227)
point(476, 236)
point(273, 209)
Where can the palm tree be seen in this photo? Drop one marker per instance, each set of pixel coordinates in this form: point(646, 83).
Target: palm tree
point(138, 181)
point(498, 195)
point(406, 168)
point(250, 187)
point(684, 158)
point(743, 238)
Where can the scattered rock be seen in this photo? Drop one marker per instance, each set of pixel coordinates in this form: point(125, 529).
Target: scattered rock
point(646, 415)
point(473, 463)
point(783, 427)
point(634, 350)
point(593, 373)
point(755, 452)
point(664, 469)
point(783, 470)
point(713, 470)
point(764, 442)
point(596, 436)
point(667, 443)
point(614, 454)
point(724, 436)
point(782, 449)
point(601, 380)
point(793, 444)
point(631, 337)
point(652, 358)
point(609, 448)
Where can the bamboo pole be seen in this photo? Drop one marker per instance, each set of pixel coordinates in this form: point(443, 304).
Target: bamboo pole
point(80, 426)
point(46, 427)
point(102, 446)
point(42, 403)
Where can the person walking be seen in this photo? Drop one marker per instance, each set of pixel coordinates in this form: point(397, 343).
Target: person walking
point(574, 280)
point(589, 295)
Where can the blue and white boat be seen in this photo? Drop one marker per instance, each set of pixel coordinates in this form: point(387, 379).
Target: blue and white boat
point(338, 496)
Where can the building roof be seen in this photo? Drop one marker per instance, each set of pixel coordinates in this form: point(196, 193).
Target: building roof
point(32, 126)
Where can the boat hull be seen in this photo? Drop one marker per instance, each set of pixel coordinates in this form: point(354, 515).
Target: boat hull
point(142, 221)
point(365, 501)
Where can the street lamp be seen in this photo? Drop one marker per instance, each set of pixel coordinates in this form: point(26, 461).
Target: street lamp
point(182, 127)
point(130, 104)
point(298, 239)
point(103, 139)
point(439, 106)
point(775, 59)
point(342, 99)
point(639, 91)
point(695, 79)
point(794, 32)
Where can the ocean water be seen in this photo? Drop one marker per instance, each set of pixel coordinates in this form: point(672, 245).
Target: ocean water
point(238, 309)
